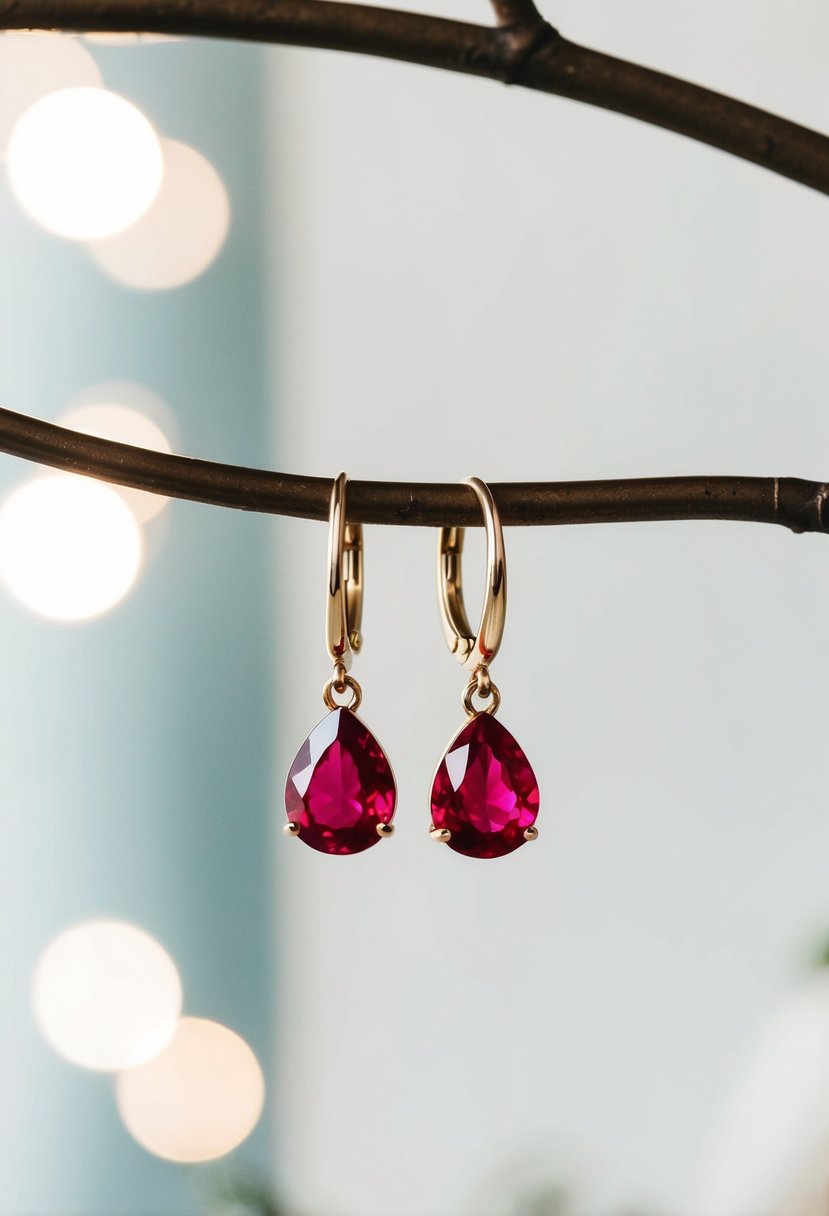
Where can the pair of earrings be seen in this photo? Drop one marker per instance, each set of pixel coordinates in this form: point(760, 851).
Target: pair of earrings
point(341, 794)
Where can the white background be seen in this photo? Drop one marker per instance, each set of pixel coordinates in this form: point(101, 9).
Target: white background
point(470, 279)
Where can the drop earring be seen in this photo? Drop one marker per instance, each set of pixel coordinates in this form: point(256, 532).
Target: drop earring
point(484, 794)
point(340, 794)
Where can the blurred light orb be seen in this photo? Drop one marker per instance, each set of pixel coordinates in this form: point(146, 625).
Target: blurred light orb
point(124, 39)
point(123, 425)
point(31, 66)
point(70, 548)
point(182, 232)
point(133, 395)
point(84, 163)
point(198, 1099)
point(106, 995)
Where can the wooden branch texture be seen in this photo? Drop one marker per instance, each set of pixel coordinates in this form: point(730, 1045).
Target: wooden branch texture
point(521, 49)
point(789, 501)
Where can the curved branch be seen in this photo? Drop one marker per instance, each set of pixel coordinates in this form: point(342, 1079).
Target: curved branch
point(530, 53)
point(789, 501)
point(521, 49)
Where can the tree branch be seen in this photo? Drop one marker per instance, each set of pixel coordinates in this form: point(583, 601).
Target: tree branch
point(524, 50)
point(795, 504)
point(551, 64)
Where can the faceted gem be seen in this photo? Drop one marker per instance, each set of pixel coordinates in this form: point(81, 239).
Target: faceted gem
point(484, 791)
point(340, 787)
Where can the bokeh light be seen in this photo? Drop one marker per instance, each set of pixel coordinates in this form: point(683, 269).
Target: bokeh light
point(132, 394)
point(123, 39)
point(198, 1099)
point(182, 232)
point(106, 995)
point(123, 425)
point(84, 163)
point(31, 65)
point(70, 548)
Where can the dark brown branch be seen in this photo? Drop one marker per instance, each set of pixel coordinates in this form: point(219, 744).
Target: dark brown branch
point(546, 62)
point(795, 504)
point(524, 50)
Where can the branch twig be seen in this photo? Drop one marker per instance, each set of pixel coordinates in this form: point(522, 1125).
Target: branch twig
point(516, 12)
point(789, 501)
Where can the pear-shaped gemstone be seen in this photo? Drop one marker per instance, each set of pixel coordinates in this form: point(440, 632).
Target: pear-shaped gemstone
point(340, 787)
point(485, 791)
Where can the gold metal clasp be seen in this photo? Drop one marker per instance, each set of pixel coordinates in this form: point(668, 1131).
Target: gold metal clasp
point(473, 649)
point(344, 602)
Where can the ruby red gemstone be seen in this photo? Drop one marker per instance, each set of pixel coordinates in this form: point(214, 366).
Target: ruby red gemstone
point(485, 791)
point(340, 786)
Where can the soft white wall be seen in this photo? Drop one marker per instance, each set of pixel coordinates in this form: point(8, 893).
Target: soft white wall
point(471, 279)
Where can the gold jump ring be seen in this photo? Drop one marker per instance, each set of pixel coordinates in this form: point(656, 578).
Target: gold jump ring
point(486, 690)
point(339, 686)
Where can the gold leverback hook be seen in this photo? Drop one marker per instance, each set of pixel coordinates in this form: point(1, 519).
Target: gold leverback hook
point(344, 603)
point(474, 649)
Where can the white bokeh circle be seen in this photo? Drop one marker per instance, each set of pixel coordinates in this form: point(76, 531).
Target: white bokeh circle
point(70, 548)
point(84, 163)
point(180, 235)
point(197, 1100)
point(32, 65)
point(106, 995)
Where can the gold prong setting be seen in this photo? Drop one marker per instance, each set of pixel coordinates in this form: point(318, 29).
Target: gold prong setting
point(291, 829)
point(441, 835)
point(385, 830)
point(531, 833)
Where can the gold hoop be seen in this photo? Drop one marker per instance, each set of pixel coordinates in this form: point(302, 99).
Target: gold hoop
point(344, 602)
point(473, 650)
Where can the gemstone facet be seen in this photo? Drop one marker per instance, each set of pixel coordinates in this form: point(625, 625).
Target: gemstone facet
point(340, 787)
point(484, 792)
